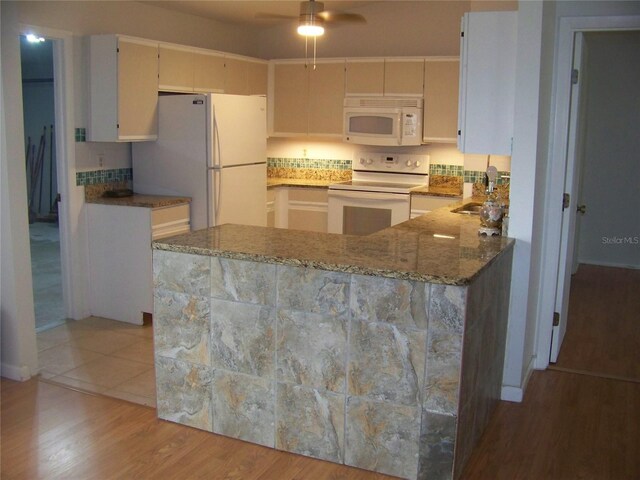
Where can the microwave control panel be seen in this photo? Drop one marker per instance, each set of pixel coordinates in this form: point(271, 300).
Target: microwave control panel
point(391, 162)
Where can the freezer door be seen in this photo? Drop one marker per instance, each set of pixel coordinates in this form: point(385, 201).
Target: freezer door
point(239, 130)
point(239, 195)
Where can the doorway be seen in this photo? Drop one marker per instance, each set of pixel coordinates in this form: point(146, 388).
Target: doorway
point(36, 55)
point(603, 336)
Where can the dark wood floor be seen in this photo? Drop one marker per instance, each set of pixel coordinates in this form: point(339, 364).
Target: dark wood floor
point(603, 329)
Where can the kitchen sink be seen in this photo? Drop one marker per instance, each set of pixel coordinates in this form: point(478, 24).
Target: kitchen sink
point(472, 208)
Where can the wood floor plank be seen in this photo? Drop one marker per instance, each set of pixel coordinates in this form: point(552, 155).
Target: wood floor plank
point(603, 331)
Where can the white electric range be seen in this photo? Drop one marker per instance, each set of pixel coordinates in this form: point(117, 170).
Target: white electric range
point(379, 194)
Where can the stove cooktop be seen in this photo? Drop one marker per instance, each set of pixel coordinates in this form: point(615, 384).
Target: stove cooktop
point(375, 186)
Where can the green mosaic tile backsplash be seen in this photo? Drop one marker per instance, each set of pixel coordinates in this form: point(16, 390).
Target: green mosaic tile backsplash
point(322, 164)
point(104, 176)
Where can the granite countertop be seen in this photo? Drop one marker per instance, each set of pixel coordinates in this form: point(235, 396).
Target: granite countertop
point(139, 200)
point(438, 247)
point(438, 191)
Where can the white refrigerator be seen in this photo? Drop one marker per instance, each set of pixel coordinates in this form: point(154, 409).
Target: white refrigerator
point(212, 148)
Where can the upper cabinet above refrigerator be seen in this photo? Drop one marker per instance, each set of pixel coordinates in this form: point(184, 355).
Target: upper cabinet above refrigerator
point(123, 87)
point(487, 82)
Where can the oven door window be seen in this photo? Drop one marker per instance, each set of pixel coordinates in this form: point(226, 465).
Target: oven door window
point(371, 125)
point(364, 220)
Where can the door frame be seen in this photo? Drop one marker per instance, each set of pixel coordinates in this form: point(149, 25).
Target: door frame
point(561, 168)
point(72, 255)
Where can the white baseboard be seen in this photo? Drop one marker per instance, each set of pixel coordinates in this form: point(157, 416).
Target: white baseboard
point(510, 393)
point(13, 372)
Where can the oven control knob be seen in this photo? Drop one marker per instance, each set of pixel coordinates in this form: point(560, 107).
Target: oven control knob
point(417, 163)
point(361, 161)
point(369, 161)
point(409, 163)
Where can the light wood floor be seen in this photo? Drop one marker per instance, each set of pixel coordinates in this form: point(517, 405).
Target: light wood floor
point(603, 329)
point(568, 427)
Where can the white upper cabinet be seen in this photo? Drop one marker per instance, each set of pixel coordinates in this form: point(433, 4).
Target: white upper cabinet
point(175, 69)
point(307, 101)
point(123, 89)
point(440, 116)
point(403, 77)
point(208, 72)
point(487, 82)
point(391, 77)
point(364, 77)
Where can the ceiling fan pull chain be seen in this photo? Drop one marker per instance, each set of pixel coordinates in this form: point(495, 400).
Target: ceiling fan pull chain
point(314, 53)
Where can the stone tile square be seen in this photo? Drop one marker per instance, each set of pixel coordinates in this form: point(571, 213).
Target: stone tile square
point(310, 422)
point(107, 371)
point(312, 349)
point(182, 326)
point(400, 302)
point(184, 393)
point(386, 363)
point(242, 281)
point(311, 290)
point(437, 444)
point(243, 407)
point(382, 437)
point(182, 273)
point(243, 338)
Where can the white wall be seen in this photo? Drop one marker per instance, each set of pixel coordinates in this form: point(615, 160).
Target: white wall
point(18, 353)
point(610, 229)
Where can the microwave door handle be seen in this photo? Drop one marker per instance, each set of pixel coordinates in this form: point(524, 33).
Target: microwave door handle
point(400, 128)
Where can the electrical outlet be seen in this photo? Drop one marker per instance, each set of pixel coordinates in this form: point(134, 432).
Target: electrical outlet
point(100, 160)
point(304, 153)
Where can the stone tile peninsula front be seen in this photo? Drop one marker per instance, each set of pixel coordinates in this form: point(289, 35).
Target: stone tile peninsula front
point(393, 375)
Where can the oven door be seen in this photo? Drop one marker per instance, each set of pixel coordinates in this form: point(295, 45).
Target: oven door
point(363, 213)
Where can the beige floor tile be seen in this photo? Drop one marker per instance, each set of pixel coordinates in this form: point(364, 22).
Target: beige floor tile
point(143, 385)
point(107, 371)
point(98, 324)
point(140, 351)
point(57, 336)
point(104, 341)
point(143, 331)
point(62, 358)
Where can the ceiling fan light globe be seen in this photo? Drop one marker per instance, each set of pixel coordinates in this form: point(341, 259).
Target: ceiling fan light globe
point(310, 30)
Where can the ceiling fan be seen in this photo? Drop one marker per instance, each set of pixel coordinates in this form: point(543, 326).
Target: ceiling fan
point(313, 17)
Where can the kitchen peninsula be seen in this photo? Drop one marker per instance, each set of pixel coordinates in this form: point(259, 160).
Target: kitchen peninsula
point(384, 352)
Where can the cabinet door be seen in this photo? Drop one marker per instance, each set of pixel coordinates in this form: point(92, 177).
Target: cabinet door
point(326, 99)
point(487, 82)
point(244, 77)
point(290, 102)
point(365, 78)
point(441, 80)
point(137, 90)
point(208, 73)
point(257, 78)
point(175, 69)
point(235, 76)
point(404, 77)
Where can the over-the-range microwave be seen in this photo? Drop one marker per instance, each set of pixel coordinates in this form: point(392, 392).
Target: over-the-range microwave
point(383, 120)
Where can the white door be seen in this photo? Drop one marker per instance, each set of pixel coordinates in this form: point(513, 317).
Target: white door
point(239, 195)
point(239, 130)
point(567, 244)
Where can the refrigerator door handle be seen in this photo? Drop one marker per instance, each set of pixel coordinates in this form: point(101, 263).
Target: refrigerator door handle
point(217, 192)
point(216, 134)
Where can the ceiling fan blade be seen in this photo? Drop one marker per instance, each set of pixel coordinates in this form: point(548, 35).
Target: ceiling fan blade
point(274, 16)
point(329, 16)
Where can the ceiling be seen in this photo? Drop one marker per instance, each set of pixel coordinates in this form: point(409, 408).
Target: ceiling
point(244, 12)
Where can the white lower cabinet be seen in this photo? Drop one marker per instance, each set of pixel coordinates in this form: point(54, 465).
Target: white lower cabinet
point(120, 256)
point(421, 204)
point(298, 208)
